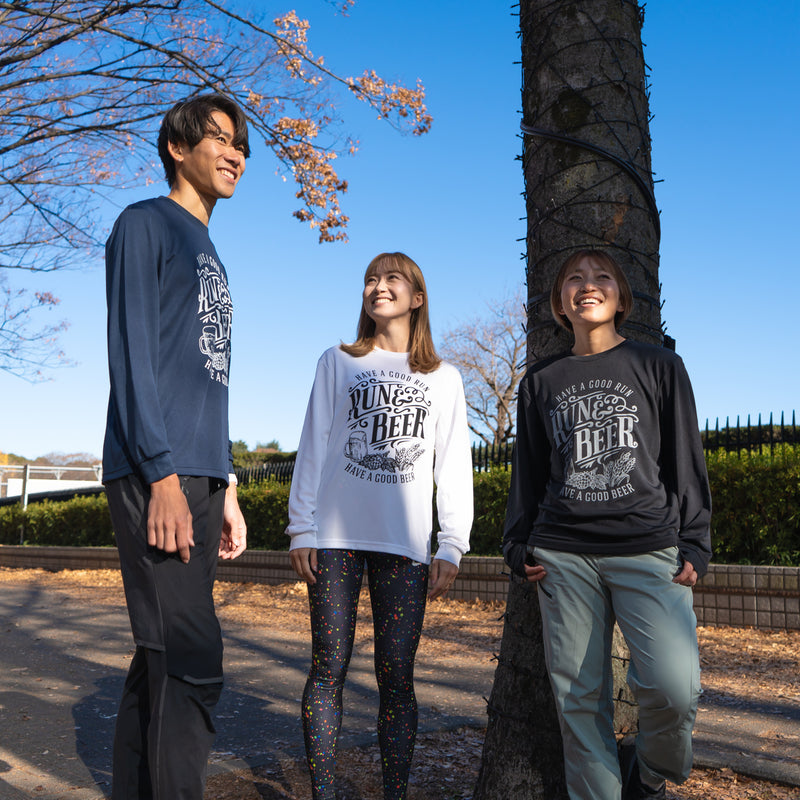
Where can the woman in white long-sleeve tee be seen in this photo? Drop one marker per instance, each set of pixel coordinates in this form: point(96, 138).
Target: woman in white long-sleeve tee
point(386, 422)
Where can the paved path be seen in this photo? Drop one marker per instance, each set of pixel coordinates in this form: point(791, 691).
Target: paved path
point(62, 665)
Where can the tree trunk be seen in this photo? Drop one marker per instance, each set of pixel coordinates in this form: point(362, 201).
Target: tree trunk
point(522, 754)
point(588, 183)
point(587, 165)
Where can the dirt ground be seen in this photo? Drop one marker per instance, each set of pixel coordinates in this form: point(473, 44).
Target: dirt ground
point(741, 662)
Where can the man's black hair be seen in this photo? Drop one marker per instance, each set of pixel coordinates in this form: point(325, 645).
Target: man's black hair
point(190, 120)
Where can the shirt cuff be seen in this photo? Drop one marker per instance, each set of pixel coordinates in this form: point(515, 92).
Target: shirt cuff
point(447, 552)
point(304, 540)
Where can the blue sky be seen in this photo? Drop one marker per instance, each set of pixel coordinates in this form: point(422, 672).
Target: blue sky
point(724, 86)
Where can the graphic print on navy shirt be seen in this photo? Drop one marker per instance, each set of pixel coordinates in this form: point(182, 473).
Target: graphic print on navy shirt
point(388, 411)
point(593, 428)
point(215, 311)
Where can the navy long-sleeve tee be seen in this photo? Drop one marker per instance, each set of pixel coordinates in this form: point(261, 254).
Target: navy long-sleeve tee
point(608, 458)
point(169, 323)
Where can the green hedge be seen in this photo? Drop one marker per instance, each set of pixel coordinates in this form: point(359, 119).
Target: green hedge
point(756, 502)
point(755, 520)
point(490, 493)
point(80, 522)
point(85, 521)
point(264, 506)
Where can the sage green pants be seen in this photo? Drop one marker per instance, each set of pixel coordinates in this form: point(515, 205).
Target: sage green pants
point(580, 598)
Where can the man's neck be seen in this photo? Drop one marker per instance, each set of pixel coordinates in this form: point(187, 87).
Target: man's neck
point(185, 195)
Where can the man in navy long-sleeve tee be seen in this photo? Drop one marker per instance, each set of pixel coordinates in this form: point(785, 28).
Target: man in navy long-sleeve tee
point(166, 456)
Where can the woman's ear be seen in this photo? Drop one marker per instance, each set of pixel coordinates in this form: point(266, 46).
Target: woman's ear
point(417, 300)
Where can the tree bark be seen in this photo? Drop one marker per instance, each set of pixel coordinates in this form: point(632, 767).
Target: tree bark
point(588, 180)
point(588, 183)
point(522, 753)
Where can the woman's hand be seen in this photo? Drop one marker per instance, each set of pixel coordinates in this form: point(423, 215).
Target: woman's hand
point(687, 576)
point(304, 563)
point(443, 573)
point(534, 572)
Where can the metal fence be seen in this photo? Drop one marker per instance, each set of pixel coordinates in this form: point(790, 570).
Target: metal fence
point(280, 471)
point(491, 456)
point(741, 439)
point(484, 458)
point(750, 438)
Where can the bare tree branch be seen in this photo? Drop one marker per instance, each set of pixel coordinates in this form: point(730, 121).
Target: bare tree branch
point(489, 352)
point(23, 352)
point(83, 86)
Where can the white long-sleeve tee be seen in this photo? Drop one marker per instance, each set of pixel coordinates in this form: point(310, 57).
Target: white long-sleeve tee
point(375, 438)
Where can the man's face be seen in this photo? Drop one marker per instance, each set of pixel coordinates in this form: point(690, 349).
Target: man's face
point(213, 166)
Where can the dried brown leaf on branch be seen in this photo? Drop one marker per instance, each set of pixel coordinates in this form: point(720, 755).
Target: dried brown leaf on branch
point(83, 86)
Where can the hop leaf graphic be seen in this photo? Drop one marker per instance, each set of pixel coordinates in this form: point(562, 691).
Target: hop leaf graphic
point(586, 480)
point(406, 456)
point(616, 472)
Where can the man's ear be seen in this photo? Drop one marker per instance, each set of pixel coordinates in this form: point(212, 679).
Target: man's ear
point(175, 149)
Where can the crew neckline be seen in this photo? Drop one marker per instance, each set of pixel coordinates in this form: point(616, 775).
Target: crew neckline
point(375, 348)
point(595, 356)
point(184, 211)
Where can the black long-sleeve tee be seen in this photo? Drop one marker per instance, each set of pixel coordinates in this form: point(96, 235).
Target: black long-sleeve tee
point(608, 458)
point(169, 322)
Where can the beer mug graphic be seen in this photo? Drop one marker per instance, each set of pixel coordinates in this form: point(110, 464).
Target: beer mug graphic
point(213, 348)
point(356, 446)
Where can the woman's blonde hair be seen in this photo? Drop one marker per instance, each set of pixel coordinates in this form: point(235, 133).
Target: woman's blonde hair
point(625, 292)
point(422, 356)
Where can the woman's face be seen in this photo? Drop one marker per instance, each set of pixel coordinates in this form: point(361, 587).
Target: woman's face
point(590, 295)
point(388, 295)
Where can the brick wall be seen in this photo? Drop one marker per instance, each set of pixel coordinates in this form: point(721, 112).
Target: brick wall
point(742, 596)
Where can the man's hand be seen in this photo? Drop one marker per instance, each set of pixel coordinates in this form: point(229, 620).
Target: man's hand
point(304, 563)
point(169, 521)
point(687, 576)
point(443, 573)
point(234, 529)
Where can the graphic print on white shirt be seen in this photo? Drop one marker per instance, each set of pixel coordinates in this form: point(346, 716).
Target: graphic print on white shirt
point(215, 310)
point(387, 415)
point(593, 426)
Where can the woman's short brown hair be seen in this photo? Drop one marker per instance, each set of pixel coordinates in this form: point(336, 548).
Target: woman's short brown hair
point(608, 261)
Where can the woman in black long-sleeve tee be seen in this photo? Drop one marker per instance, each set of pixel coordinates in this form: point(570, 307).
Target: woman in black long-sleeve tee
point(608, 513)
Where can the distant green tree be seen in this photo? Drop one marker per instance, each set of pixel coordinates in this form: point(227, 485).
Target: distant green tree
point(244, 458)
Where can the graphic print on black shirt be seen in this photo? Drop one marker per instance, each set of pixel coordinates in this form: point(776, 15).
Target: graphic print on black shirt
point(593, 427)
point(388, 411)
point(215, 311)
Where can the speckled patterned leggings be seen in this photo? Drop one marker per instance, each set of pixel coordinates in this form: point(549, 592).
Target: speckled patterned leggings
point(398, 588)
